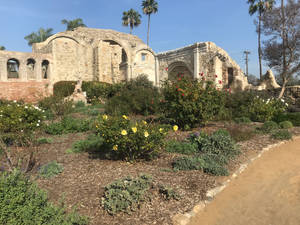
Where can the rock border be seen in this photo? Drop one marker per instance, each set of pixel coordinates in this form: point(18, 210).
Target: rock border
point(184, 219)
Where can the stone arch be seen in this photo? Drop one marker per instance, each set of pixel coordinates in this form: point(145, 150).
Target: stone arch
point(45, 69)
point(52, 38)
point(30, 68)
point(13, 66)
point(179, 68)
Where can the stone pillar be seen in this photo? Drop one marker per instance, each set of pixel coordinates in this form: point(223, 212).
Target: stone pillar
point(3, 70)
point(38, 70)
point(196, 63)
point(156, 71)
point(22, 71)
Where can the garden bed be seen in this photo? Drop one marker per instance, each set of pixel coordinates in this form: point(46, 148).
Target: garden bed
point(84, 178)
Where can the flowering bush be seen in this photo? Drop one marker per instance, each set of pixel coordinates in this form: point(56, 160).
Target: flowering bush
point(128, 141)
point(262, 110)
point(18, 117)
point(189, 102)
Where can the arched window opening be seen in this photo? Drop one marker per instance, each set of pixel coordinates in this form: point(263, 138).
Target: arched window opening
point(45, 69)
point(30, 68)
point(13, 68)
point(179, 69)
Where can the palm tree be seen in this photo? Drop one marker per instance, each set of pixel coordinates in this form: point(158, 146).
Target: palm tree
point(131, 18)
point(260, 7)
point(40, 36)
point(149, 7)
point(72, 24)
point(2, 48)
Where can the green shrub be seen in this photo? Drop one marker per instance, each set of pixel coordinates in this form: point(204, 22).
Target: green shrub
point(168, 193)
point(138, 96)
point(91, 144)
point(188, 103)
point(126, 140)
point(293, 117)
point(186, 148)
point(22, 202)
point(44, 140)
point(214, 164)
point(51, 169)
point(269, 126)
point(242, 120)
point(240, 133)
point(285, 125)
point(188, 163)
point(56, 105)
point(282, 135)
point(126, 195)
point(254, 105)
point(64, 88)
point(18, 117)
point(68, 125)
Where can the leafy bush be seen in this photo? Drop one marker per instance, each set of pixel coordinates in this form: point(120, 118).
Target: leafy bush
point(56, 105)
point(254, 105)
point(68, 125)
point(51, 169)
point(137, 96)
point(91, 144)
point(64, 88)
point(242, 120)
point(168, 193)
point(269, 126)
point(129, 141)
point(44, 140)
point(185, 147)
point(189, 103)
point(188, 163)
point(282, 135)
point(126, 195)
point(19, 117)
point(285, 125)
point(22, 202)
point(240, 133)
point(293, 117)
point(214, 165)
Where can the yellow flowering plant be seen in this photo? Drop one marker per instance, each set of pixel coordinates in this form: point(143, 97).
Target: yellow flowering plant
point(127, 140)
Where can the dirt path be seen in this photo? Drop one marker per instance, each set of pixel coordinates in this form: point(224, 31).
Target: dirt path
point(267, 193)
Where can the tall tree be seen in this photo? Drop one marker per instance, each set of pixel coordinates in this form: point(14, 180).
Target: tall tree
point(149, 7)
point(72, 24)
point(282, 50)
point(131, 18)
point(40, 36)
point(260, 7)
point(2, 48)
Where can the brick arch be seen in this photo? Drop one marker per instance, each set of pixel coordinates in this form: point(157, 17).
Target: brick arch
point(179, 68)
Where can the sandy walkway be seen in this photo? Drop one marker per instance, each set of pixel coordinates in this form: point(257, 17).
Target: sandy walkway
point(267, 193)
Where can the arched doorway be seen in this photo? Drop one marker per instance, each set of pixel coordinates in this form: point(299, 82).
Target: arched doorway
point(13, 68)
point(30, 68)
point(177, 69)
point(45, 69)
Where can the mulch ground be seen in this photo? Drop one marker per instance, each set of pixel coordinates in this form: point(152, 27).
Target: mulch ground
point(83, 180)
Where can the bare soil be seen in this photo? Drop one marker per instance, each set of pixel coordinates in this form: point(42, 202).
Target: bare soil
point(268, 192)
point(83, 180)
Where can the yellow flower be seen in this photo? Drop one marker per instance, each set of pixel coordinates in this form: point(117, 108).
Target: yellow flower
point(161, 130)
point(144, 122)
point(105, 117)
point(115, 148)
point(146, 134)
point(97, 126)
point(125, 117)
point(124, 132)
point(175, 127)
point(134, 129)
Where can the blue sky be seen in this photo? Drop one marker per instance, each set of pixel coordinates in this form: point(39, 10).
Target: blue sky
point(177, 23)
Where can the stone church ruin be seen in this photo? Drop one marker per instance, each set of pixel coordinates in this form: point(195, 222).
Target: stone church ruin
point(109, 56)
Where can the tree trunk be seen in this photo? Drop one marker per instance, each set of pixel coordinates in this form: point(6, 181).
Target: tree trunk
point(259, 47)
point(130, 29)
point(148, 30)
point(282, 88)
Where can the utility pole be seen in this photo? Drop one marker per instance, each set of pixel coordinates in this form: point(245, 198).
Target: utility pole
point(247, 60)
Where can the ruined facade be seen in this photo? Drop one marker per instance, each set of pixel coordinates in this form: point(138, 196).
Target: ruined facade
point(109, 56)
